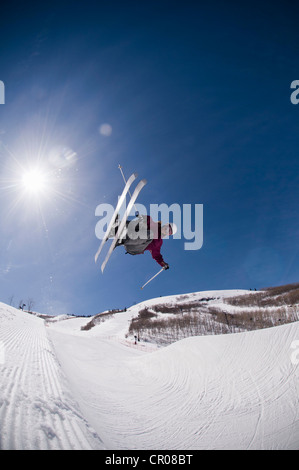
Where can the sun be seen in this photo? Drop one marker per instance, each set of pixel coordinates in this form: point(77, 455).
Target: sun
point(34, 181)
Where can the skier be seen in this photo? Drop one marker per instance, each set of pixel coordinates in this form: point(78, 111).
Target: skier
point(143, 234)
point(139, 235)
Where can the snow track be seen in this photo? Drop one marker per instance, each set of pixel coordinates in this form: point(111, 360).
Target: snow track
point(62, 388)
point(37, 410)
point(235, 391)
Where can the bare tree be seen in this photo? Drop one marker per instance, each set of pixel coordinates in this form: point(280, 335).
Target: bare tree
point(30, 304)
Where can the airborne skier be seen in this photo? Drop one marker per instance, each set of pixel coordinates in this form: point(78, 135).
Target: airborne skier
point(138, 235)
point(143, 234)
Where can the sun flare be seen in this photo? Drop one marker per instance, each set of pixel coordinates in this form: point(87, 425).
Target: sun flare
point(34, 181)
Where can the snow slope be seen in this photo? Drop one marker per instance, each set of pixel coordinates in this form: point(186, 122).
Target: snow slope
point(37, 410)
point(87, 389)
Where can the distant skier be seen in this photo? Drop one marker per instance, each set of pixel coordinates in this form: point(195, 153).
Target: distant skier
point(143, 234)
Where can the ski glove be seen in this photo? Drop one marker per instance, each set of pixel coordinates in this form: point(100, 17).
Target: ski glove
point(165, 266)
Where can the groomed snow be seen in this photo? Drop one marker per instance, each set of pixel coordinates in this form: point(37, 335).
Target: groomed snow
point(37, 410)
point(62, 387)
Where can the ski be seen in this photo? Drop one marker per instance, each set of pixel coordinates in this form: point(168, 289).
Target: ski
point(119, 204)
point(122, 224)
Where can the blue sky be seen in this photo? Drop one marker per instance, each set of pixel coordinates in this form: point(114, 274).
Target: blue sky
point(198, 99)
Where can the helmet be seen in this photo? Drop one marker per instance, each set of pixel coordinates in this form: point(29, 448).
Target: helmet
point(172, 229)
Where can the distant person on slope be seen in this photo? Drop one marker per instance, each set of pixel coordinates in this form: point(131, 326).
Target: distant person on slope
point(143, 234)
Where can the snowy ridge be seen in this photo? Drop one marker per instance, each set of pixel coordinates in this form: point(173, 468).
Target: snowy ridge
point(65, 388)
